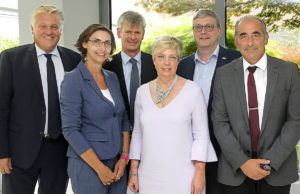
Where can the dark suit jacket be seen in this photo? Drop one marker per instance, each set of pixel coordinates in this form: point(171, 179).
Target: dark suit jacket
point(22, 105)
point(186, 69)
point(280, 126)
point(148, 73)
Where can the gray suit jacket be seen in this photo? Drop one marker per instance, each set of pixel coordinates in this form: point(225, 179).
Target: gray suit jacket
point(280, 129)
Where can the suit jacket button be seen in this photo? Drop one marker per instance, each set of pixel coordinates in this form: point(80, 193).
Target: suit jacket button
point(114, 115)
point(43, 112)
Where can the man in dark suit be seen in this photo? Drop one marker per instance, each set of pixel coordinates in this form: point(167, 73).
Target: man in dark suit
point(131, 30)
point(256, 116)
point(200, 67)
point(31, 145)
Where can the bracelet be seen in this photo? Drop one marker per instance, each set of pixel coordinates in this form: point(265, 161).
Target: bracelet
point(132, 174)
point(125, 157)
point(125, 153)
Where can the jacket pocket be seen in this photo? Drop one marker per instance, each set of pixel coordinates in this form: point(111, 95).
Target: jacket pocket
point(96, 136)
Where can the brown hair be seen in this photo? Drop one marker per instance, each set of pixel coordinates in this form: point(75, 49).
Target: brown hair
point(87, 33)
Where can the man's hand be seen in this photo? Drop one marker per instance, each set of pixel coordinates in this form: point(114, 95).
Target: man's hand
point(5, 166)
point(251, 168)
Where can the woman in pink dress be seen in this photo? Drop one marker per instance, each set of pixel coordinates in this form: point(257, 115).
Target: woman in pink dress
point(170, 141)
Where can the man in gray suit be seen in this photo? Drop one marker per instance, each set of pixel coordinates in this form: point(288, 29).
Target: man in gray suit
point(256, 116)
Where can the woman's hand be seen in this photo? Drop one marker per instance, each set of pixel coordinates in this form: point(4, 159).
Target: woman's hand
point(133, 183)
point(106, 175)
point(198, 184)
point(120, 167)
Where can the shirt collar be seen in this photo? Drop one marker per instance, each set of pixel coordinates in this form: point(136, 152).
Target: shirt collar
point(40, 51)
point(126, 58)
point(261, 64)
point(214, 54)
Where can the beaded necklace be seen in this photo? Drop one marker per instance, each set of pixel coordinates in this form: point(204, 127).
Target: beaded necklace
point(160, 96)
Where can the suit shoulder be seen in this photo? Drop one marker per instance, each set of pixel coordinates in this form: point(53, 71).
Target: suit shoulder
point(146, 55)
point(17, 50)
point(110, 74)
point(109, 65)
point(69, 51)
point(230, 66)
point(187, 58)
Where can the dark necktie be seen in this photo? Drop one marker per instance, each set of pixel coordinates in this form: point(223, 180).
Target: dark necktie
point(253, 109)
point(54, 119)
point(134, 84)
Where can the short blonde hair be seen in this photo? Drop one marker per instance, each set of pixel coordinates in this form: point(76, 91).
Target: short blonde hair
point(164, 42)
point(47, 9)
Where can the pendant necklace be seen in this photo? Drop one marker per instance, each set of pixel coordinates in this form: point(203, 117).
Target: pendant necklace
point(160, 96)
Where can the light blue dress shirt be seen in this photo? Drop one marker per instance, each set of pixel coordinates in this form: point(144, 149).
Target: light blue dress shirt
point(204, 72)
point(127, 66)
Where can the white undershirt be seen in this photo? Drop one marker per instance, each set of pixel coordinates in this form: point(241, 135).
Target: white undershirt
point(260, 77)
point(107, 95)
point(59, 72)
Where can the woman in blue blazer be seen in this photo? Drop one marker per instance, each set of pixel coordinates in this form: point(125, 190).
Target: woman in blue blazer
point(94, 118)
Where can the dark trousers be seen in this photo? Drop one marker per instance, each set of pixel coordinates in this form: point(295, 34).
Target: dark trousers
point(211, 176)
point(49, 169)
point(250, 186)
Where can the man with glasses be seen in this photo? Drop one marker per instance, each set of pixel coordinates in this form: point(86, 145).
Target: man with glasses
point(200, 67)
point(132, 66)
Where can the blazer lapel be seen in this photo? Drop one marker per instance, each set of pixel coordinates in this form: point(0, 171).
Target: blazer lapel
point(272, 76)
point(90, 80)
point(65, 60)
point(240, 86)
point(36, 69)
point(112, 89)
point(145, 69)
point(119, 71)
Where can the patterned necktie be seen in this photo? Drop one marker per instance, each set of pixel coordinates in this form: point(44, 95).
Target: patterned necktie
point(134, 84)
point(253, 109)
point(54, 119)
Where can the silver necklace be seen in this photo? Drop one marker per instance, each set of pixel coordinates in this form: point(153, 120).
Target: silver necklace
point(162, 95)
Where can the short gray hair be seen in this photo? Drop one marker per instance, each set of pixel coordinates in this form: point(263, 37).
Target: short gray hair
point(133, 18)
point(164, 42)
point(47, 9)
point(204, 13)
point(248, 17)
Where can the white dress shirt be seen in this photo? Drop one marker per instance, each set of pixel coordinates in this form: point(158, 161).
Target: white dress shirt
point(260, 77)
point(59, 72)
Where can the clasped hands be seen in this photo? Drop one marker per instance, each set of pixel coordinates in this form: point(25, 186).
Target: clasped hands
point(251, 168)
point(107, 176)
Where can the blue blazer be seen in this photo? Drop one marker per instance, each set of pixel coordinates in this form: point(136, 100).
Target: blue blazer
point(186, 69)
point(90, 120)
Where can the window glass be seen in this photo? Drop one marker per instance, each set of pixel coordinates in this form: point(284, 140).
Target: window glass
point(175, 18)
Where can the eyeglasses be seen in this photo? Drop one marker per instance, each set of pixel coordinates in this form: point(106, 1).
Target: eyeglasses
point(98, 43)
point(207, 28)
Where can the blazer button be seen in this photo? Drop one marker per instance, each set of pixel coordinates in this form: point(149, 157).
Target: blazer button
point(43, 112)
point(114, 115)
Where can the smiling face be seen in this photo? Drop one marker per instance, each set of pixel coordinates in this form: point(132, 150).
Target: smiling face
point(203, 38)
point(131, 38)
point(251, 40)
point(166, 63)
point(97, 53)
point(46, 31)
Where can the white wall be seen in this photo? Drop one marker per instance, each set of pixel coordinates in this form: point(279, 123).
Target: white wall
point(78, 14)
